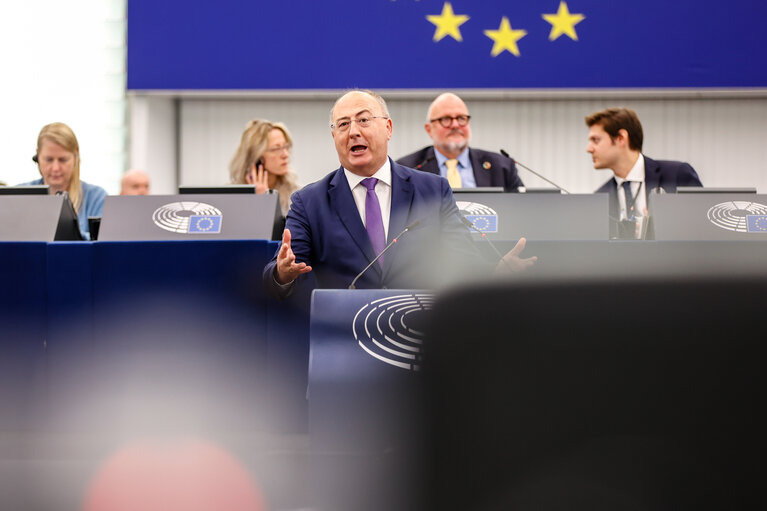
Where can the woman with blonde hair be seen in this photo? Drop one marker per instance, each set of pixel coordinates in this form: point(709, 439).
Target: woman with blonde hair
point(58, 160)
point(263, 160)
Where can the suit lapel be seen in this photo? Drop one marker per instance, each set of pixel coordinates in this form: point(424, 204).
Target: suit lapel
point(342, 203)
point(652, 175)
point(401, 199)
point(481, 175)
point(432, 165)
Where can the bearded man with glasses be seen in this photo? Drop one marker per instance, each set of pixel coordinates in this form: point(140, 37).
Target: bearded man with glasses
point(448, 125)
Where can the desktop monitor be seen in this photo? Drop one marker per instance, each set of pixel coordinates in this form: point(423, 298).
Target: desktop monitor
point(225, 189)
point(25, 190)
point(38, 217)
point(698, 189)
point(584, 400)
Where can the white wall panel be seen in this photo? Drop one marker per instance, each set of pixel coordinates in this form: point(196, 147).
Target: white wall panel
point(154, 141)
point(211, 129)
point(724, 138)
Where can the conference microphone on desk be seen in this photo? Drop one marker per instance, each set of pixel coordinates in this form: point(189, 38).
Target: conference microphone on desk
point(394, 240)
point(533, 172)
point(427, 160)
point(517, 248)
point(468, 223)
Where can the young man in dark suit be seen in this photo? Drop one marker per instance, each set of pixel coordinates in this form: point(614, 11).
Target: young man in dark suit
point(615, 143)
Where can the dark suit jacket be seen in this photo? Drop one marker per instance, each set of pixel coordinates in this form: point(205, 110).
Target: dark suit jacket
point(328, 234)
point(664, 174)
point(490, 169)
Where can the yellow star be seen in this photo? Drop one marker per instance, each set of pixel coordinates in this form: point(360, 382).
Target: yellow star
point(447, 23)
point(563, 22)
point(505, 38)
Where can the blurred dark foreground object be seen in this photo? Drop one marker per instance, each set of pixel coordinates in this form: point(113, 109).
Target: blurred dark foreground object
point(635, 394)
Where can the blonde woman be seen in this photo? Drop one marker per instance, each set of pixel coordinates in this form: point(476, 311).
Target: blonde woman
point(263, 160)
point(58, 160)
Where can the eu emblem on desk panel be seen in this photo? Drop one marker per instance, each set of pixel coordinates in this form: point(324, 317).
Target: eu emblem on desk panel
point(715, 216)
point(757, 223)
point(180, 217)
point(484, 218)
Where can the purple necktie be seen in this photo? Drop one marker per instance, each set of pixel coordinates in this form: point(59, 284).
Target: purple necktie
point(373, 220)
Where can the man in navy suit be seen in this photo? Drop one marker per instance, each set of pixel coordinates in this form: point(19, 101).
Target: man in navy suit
point(447, 123)
point(330, 228)
point(615, 142)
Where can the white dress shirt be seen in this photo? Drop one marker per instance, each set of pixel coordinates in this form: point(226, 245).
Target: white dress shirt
point(383, 191)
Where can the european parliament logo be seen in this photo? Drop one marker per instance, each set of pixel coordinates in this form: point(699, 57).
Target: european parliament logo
point(483, 217)
point(391, 329)
point(739, 216)
point(188, 217)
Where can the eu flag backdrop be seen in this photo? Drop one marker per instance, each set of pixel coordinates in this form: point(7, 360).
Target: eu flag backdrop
point(413, 44)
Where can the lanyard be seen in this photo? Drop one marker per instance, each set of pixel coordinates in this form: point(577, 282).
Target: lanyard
point(630, 206)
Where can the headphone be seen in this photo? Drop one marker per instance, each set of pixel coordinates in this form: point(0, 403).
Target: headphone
point(34, 158)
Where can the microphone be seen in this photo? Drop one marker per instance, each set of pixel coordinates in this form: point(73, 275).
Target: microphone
point(427, 160)
point(410, 227)
point(468, 223)
point(533, 172)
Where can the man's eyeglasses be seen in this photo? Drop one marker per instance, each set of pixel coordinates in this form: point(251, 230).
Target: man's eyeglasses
point(447, 121)
point(362, 122)
point(279, 149)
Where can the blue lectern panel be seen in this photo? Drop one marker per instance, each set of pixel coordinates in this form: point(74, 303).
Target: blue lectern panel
point(23, 325)
point(365, 355)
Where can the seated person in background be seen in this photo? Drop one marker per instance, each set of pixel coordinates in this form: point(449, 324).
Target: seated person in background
point(447, 123)
point(338, 225)
point(134, 182)
point(263, 160)
point(58, 160)
point(615, 142)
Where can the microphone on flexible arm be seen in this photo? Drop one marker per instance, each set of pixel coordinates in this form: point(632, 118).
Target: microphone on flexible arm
point(427, 160)
point(410, 227)
point(532, 171)
point(468, 223)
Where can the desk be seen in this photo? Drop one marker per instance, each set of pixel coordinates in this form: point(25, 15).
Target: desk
point(84, 322)
point(74, 314)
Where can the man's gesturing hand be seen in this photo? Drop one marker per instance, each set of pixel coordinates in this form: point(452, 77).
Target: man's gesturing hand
point(287, 268)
